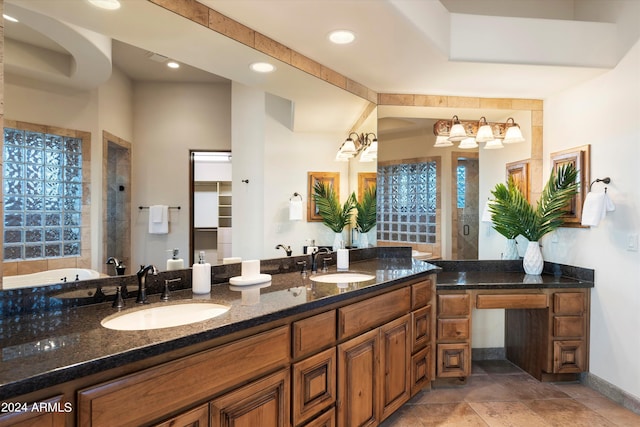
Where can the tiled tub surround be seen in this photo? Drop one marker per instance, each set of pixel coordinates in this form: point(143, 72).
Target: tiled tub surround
point(47, 340)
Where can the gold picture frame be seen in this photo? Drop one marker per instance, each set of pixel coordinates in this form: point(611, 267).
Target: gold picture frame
point(580, 158)
point(366, 180)
point(519, 172)
point(333, 178)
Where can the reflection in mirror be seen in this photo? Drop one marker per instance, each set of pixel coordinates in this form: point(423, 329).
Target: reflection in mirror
point(279, 127)
point(463, 177)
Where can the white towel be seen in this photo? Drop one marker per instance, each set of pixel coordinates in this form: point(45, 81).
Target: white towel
point(158, 219)
point(295, 210)
point(596, 206)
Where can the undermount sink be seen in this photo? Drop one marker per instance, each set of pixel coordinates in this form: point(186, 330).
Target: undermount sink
point(346, 277)
point(164, 316)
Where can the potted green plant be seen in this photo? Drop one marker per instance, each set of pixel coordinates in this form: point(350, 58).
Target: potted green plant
point(512, 213)
point(334, 215)
point(366, 214)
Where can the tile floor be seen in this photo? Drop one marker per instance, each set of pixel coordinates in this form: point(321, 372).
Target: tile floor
point(498, 393)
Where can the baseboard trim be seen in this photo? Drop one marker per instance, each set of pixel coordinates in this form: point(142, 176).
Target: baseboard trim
point(609, 390)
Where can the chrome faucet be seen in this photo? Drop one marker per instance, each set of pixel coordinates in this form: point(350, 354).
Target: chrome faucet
point(142, 282)
point(287, 249)
point(314, 254)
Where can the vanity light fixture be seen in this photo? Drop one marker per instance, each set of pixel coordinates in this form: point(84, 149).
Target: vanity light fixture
point(262, 67)
point(470, 133)
point(342, 36)
point(514, 134)
point(365, 145)
point(9, 18)
point(106, 4)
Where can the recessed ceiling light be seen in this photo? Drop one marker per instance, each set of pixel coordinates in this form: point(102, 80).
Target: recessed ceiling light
point(342, 36)
point(173, 64)
point(262, 67)
point(106, 4)
point(9, 18)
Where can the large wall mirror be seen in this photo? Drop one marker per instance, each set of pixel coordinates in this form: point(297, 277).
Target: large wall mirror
point(465, 177)
point(277, 126)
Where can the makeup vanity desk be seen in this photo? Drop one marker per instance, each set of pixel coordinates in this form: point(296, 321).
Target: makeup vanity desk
point(546, 316)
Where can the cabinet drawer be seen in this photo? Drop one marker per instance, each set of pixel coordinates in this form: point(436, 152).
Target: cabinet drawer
point(314, 333)
point(568, 326)
point(420, 370)
point(569, 303)
point(362, 316)
point(569, 357)
point(421, 294)
point(511, 301)
point(453, 329)
point(176, 385)
point(328, 419)
point(454, 305)
point(454, 360)
point(420, 328)
point(314, 385)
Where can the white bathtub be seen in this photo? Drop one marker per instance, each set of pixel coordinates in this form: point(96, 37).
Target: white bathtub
point(48, 277)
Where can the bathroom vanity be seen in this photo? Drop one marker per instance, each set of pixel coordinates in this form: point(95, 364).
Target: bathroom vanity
point(310, 353)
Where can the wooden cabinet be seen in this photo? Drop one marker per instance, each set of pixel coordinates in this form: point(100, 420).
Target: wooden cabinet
point(569, 331)
point(314, 385)
point(197, 417)
point(263, 403)
point(358, 381)
point(453, 356)
point(175, 385)
point(328, 419)
point(395, 365)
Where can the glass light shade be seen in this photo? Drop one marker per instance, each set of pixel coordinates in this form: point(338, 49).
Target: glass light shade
point(457, 133)
point(442, 141)
point(494, 144)
point(349, 147)
point(342, 157)
point(513, 135)
point(485, 134)
point(367, 157)
point(468, 143)
point(373, 147)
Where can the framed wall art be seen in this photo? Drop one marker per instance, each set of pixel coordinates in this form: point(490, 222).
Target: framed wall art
point(332, 178)
point(580, 158)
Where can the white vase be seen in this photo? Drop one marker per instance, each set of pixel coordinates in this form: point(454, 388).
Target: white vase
point(364, 240)
point(533, 261)
point(511, 250)
point(338, 243)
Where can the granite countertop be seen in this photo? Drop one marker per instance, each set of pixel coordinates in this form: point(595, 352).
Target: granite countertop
point(456, 275)
point(47, 348)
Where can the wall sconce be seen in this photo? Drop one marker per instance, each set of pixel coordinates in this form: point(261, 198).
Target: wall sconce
point(469, 133)
point(365, 145)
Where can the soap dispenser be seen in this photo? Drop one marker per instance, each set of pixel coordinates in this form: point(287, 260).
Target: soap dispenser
point(201, 276)
point(175, 263)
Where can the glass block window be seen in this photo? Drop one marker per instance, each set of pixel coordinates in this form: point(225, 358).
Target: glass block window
point(42, 195)
point(461, 184)
point(407, 196)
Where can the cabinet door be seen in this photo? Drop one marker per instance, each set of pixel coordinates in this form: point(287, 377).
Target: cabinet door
point(420, 328)
point(358, 373)
point(421, 370)
point(395, 370)
point(314, 385)
point(263, 403)
point(197, 417)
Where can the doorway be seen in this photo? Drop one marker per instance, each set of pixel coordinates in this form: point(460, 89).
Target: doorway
point(465, 210)
point(211, 207)
point(116, 178)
